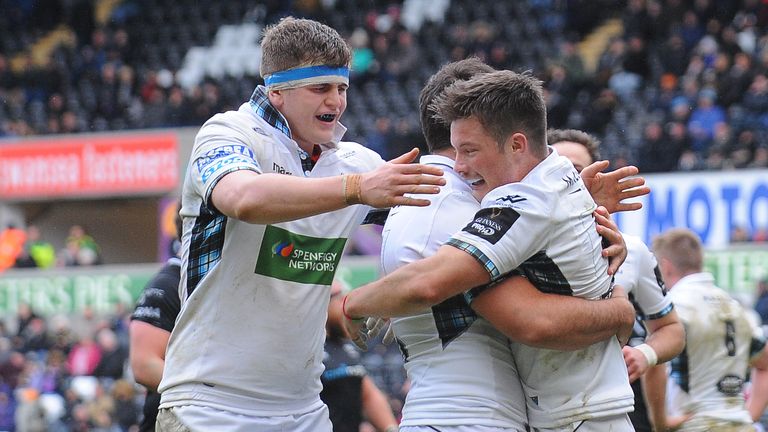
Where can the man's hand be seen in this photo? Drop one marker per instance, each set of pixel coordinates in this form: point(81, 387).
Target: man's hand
point(386, 186)
point(374, 328)
point(616, 251)
point(610, 189)
point(636, 362)
point(356, 328)
point(625, 332)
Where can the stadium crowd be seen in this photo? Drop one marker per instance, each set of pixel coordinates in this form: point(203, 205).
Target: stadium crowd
point(26, 248)
point(684, 87)
point(694, 71)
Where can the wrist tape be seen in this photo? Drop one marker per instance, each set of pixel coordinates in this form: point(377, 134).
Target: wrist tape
point(352, 185)
point(649, 353)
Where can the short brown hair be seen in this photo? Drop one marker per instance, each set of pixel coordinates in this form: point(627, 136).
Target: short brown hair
point(295, 42)
point(589, 142)
point(504, 102)
point(682, 247)
point(437, 133)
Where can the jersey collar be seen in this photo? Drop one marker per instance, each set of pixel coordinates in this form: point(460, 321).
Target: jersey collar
point(263, 108)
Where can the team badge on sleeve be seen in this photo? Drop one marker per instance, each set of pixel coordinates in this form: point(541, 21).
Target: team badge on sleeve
point(492, 223)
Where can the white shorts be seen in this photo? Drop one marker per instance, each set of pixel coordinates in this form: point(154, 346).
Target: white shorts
point(619, 423)
point(193, 418)
point(457, 429)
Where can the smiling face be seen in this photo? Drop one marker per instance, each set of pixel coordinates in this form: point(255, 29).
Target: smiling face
point(479, 160)
point(312, 111)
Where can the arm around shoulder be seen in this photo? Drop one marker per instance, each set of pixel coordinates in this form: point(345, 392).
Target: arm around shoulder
point(526, 315)
point(417, 286)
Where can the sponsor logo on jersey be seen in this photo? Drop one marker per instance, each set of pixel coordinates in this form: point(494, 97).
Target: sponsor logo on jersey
point(280, 170)
point(492, 223)
point(730, 385)
point(571, 179)
point(297, 258)
point(510, 199)
point(231, 161)
point(222, 152)
point(282, 249)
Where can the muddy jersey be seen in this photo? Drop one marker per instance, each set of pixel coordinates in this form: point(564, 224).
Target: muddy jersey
point(543, 228)
point(460, 368)
point(707, 378)
point(249, 337)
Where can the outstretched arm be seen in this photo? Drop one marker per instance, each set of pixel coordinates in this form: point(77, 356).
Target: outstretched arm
point(417, 286)
point(269, 198)
point(610, 189)
point(526, 315)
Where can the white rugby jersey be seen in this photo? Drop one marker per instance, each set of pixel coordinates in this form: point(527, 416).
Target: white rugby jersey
point(250, 334)
point(639, 275)
point(707, 378)
point(543, 228)
point(460, 367)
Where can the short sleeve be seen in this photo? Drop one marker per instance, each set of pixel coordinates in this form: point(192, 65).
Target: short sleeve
point(504, 233)
point(159, 303)
point(219, 150)
point(648, 291)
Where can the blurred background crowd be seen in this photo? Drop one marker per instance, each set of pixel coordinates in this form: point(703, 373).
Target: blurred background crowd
point(667, 85)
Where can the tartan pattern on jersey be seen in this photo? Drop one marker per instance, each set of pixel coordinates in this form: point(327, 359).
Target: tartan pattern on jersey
point(478, 255)
point(452, 318)
point(205, 247)
point(376, 217)
point(260, 104)
point(308, 160)
point(545, 274)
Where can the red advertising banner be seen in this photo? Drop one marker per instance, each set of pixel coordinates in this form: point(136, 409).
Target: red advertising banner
point(89, 166)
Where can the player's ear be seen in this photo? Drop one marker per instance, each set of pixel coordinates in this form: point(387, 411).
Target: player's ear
point(517, 142)
point(276, 98)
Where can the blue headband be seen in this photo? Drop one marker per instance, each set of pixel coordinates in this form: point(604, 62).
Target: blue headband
point(304, 73)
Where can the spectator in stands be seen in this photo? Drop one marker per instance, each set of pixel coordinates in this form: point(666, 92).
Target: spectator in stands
point(705, 118)
point(381, 138)
point(84, 356)
point(363, 57)
point(30, 415)
point(82, 249)
point(404, 57)
point(24, 316)
point(113, 356)
point(35, 336)
point(570, 59)
point(42, 252)
point(126, 413)
point(11, 245)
